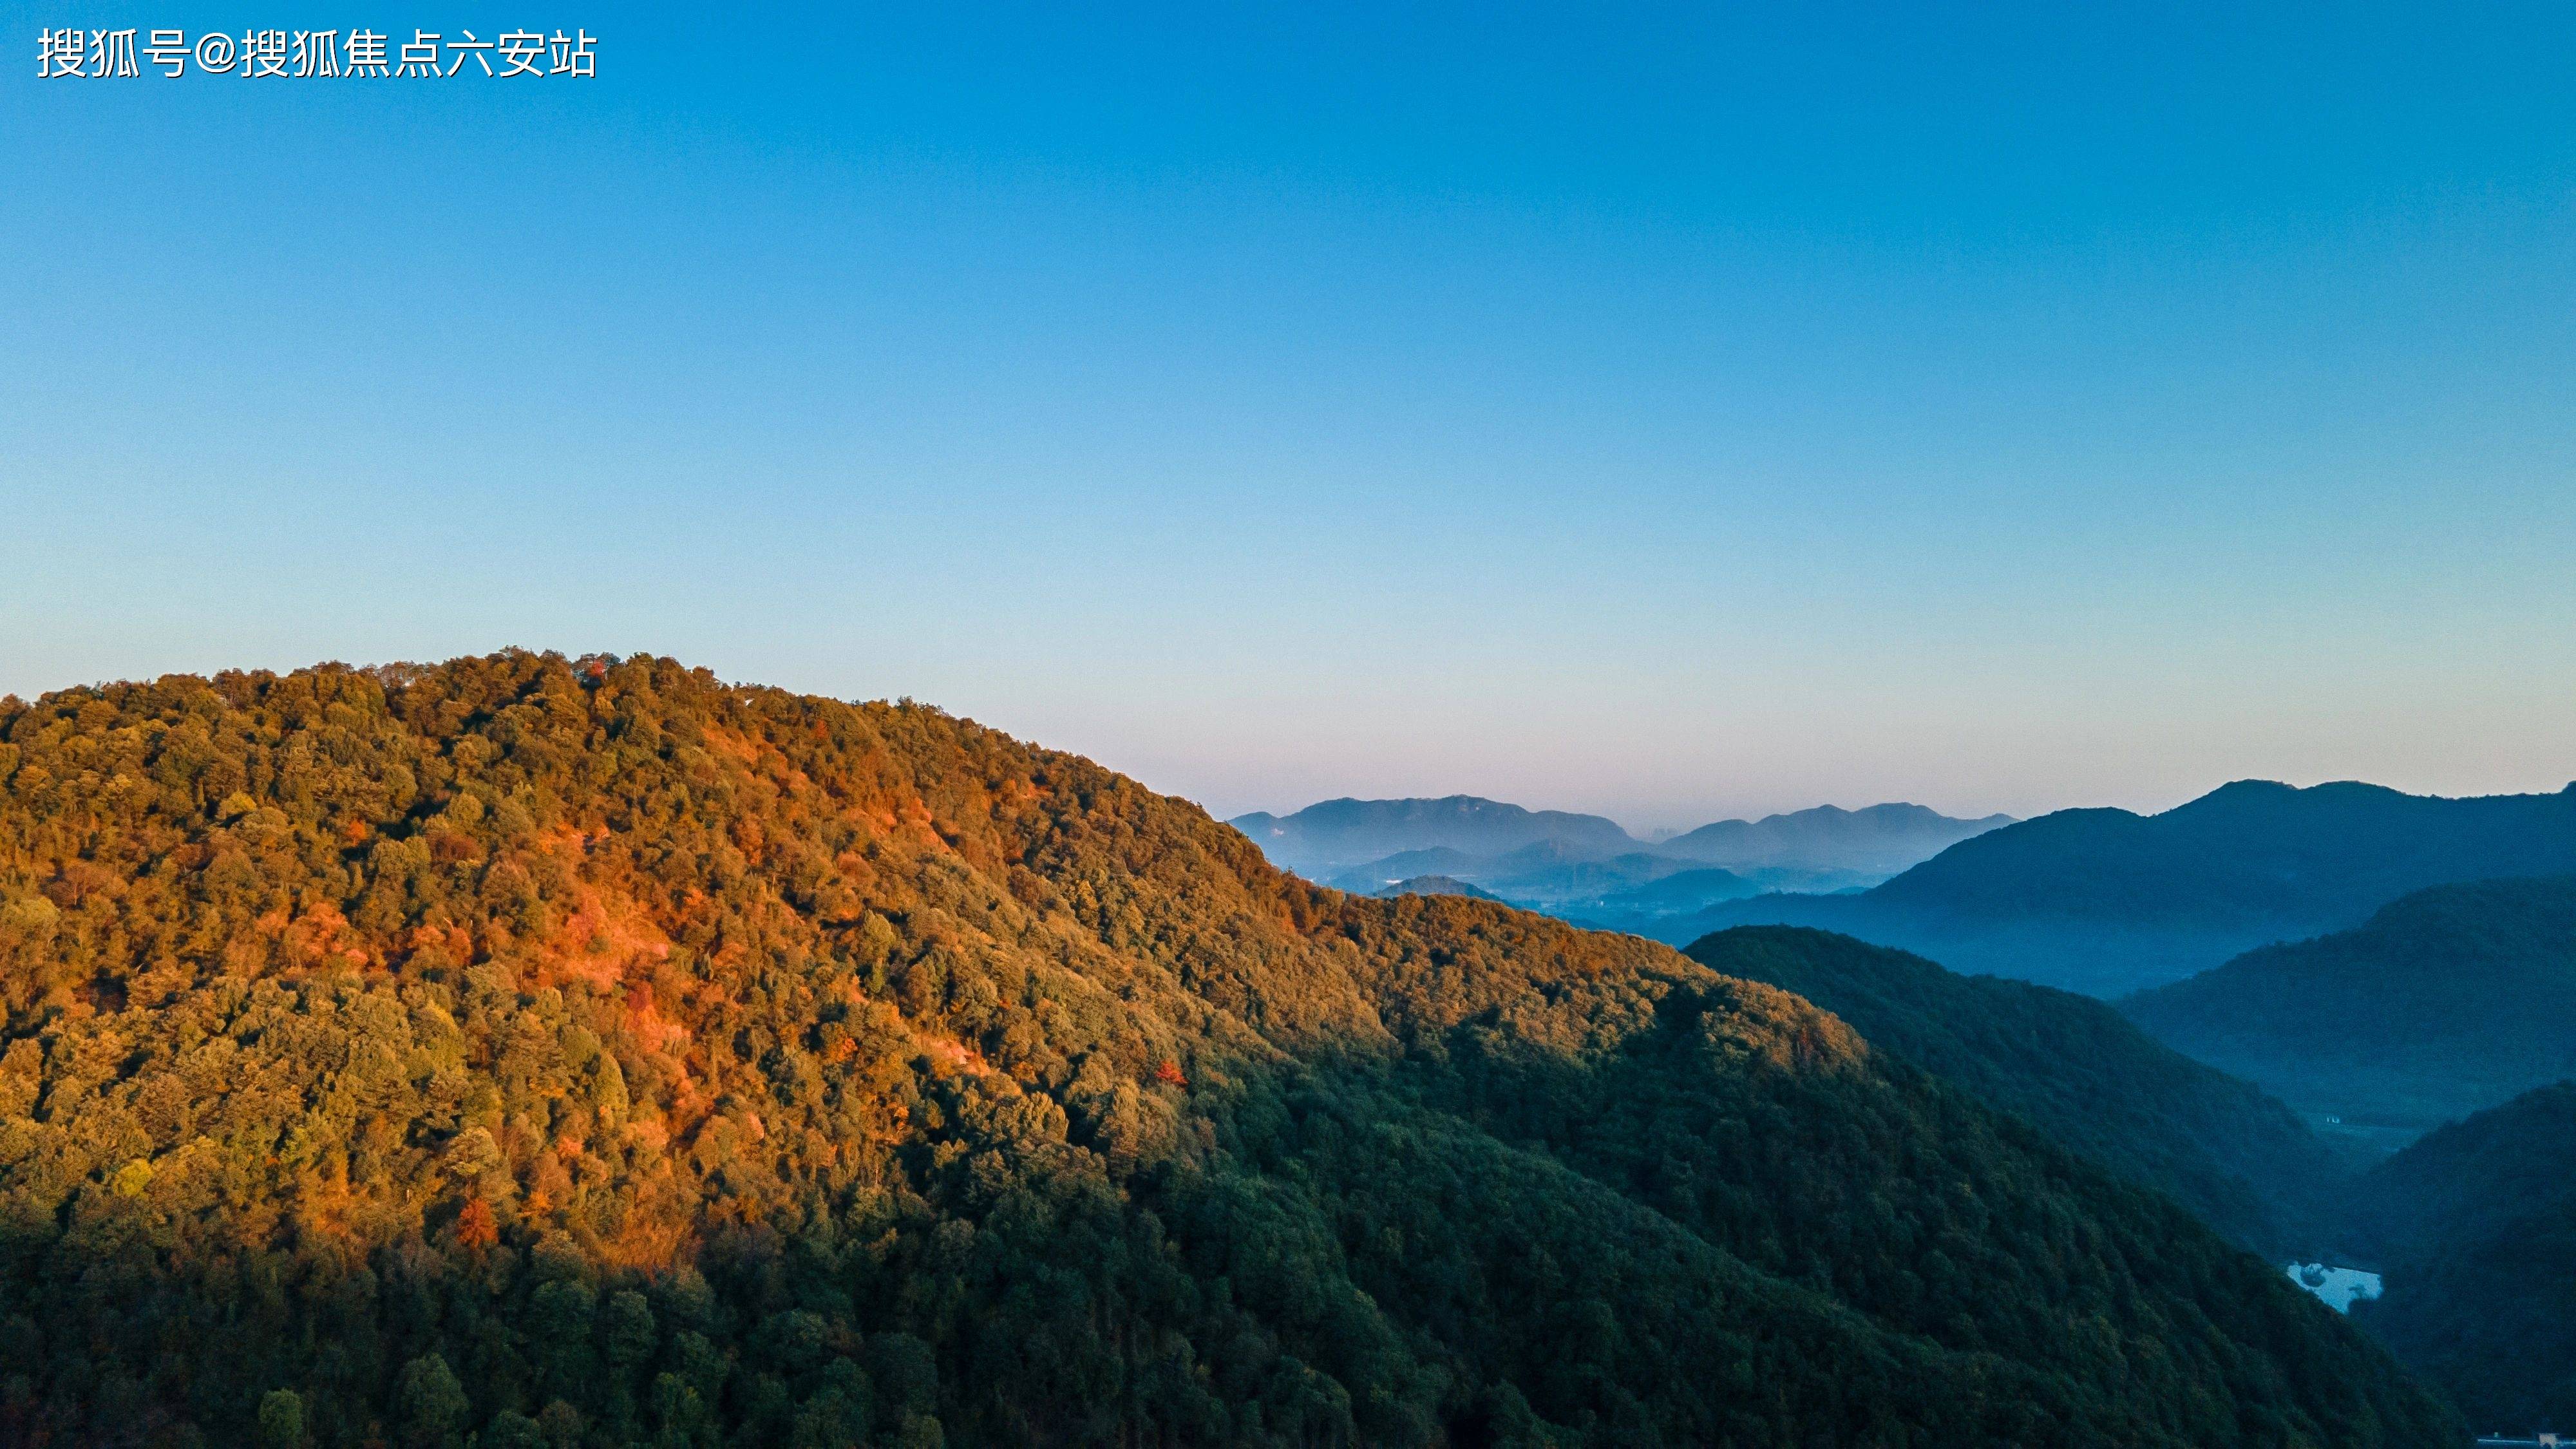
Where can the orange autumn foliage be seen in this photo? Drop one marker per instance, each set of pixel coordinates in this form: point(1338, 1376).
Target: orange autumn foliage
point(475, 1227)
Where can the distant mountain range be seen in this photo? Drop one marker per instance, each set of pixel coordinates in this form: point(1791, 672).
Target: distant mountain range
point(2108, 902)
point(2073, 1068)
point(1587, 867)
point(2445, 1002)
point(1881, 839)
point(1325, 840)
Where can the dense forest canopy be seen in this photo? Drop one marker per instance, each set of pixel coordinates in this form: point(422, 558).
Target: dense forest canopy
point(536, 1051)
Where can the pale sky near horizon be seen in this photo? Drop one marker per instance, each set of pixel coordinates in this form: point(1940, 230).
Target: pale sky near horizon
point(1685, 413)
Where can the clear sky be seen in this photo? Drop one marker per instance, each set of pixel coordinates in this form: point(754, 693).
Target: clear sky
point(1677, 413)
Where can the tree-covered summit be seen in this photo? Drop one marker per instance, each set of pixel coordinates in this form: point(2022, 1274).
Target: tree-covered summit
point(526, 1051)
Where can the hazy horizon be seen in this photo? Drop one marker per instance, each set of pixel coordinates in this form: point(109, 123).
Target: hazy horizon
point(1684, 820)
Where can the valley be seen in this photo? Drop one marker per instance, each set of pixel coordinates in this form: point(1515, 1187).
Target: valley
point(2355, 1064)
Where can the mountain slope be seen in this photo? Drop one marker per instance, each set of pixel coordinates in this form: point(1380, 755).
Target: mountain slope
point(553, 1054)
point(2477, 1225)
point(2473, 1179)
point(2070, 1065)
point(2107, 902)
point(1883, 839)
point(2446, 1002)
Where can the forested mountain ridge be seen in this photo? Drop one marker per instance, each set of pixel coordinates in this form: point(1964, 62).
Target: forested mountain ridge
point(2078, 1071)
point(2445, 1002)
point(2476, 1226)
point(604, 1054)
point(2108, 902)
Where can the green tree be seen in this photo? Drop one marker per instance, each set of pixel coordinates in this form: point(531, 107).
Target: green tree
point(281, 1419)
point(433, 1404)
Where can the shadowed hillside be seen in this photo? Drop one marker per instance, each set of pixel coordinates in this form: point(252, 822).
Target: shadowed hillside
point(604, 1054)
point(2075, 1069)
point(2476, 1224)
point(2444, 1003)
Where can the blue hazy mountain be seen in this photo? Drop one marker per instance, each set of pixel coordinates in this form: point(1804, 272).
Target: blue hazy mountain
point(1881, 839)
point(2108, 902)
point(1586, 865)
point(1324, 840)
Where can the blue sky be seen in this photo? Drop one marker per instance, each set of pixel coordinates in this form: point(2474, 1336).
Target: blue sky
point(1675, 413)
